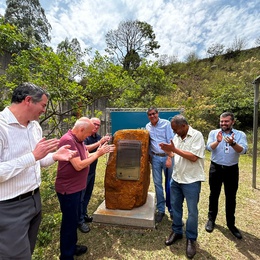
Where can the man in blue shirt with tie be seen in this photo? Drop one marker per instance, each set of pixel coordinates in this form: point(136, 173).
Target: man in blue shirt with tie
point(226, 145)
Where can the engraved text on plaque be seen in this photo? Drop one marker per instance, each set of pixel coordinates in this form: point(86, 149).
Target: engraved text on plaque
point(128, 159)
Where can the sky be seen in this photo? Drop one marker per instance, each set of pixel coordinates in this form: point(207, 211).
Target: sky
point(181, 27)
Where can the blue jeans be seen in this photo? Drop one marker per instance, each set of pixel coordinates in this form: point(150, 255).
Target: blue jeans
point(70, 208)
point(191, 193)
point(86, 195)
point(158, 165)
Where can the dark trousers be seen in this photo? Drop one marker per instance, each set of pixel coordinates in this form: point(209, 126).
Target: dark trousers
point(86, 195)
point(228, 175)
point(70, 208)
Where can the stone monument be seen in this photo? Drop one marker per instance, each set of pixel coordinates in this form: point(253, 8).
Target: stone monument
point(127, 177)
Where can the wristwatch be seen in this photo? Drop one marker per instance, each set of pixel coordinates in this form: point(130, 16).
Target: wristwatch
point(233, 143)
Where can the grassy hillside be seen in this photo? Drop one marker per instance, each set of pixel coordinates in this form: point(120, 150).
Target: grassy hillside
point(205, 88)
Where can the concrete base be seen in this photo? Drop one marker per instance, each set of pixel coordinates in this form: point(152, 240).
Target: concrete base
point(142, 217)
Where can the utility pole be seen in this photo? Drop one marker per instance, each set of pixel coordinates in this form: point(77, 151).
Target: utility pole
point(255, 128)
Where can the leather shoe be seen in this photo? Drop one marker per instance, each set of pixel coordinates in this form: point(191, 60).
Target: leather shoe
point(88, 218)
point(235, 232)
point(159, 216)
point(210, 226)
point(80, 250)
point(84, 228)
point(190, 248)
point(173, 238)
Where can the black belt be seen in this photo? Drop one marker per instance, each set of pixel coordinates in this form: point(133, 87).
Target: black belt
point(159, 154)
point(23, 196)
point(224, 166)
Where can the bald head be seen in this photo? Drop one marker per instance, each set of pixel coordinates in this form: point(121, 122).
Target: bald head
point(82, 122)
point(82, 128)
point(94, 119)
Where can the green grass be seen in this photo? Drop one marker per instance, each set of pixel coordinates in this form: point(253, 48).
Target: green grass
point(115, 242)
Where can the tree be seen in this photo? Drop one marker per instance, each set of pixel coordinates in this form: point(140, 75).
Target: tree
point(73, 48)
point(10, 37)
point(132, 41)
point(30, 19)
point(192, 57)
point(237, 45)
point(148, 81)
point(165, 60)
point(52, 71)
point(215, 49)
point(257, 41)
point(104, 80)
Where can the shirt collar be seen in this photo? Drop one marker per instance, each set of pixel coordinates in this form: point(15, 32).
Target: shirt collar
point(10, 118)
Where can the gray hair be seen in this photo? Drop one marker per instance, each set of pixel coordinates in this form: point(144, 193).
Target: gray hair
point(28, 89)
point(226, 114)
point(150, 109)
point(179, 120)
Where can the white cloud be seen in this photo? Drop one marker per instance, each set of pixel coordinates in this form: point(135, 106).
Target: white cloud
point(180, 26)
point(2, 8)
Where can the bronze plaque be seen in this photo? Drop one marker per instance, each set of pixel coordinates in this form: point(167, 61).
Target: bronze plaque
point(128, 159)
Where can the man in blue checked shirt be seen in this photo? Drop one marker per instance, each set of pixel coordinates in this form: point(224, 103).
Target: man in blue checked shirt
point(160, 132)
point(226, 145)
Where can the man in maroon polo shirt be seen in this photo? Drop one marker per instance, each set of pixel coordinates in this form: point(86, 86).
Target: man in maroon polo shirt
point(71, 181)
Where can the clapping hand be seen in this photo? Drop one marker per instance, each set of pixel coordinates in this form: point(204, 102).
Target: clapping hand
point(168, 148)
point(112, 148)
point(64, 153)
point(106, 148)
point(229, 139)
point(107, 138)
point(44, 147)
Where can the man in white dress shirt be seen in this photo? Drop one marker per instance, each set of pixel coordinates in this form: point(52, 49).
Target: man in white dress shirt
point(23, 151)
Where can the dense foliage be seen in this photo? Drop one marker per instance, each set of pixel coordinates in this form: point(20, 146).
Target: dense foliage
point(206, 88)
point(10, 37)
point(29, 17)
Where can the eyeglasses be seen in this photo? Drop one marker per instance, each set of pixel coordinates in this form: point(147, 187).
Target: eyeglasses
point(152, 114)
point(95, 124)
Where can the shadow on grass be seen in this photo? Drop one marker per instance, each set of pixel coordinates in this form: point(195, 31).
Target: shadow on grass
point(121, 242)
point(247, 246)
